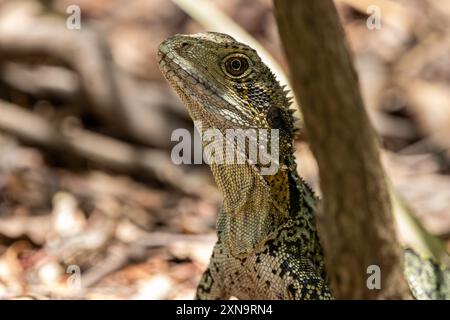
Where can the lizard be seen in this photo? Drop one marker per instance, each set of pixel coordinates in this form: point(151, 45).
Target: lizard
point(268, 245)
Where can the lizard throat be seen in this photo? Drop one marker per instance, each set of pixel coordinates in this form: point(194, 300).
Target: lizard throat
point(255, 206)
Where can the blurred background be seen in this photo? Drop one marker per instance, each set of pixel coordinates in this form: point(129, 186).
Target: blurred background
point(91, 205)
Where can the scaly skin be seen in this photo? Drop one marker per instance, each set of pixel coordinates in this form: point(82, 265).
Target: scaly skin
point(268, 246)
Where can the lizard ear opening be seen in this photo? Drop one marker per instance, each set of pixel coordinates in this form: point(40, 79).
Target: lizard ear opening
point(281, 119)
point(275, 118)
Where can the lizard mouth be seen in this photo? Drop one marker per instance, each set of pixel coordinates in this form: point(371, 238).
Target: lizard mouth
point(178, 71)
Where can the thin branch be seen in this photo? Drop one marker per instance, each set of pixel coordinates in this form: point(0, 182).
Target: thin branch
point(97, 148)
point(356, 220)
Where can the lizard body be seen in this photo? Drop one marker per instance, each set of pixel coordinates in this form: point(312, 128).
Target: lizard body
point(268, 246)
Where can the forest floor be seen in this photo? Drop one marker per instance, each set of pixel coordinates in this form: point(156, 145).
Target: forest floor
point(91, 205)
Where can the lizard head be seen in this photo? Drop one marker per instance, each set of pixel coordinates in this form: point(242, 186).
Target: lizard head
point(225, 85)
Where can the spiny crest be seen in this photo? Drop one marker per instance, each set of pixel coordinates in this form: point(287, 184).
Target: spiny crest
point(285, 102)
point(297, 123)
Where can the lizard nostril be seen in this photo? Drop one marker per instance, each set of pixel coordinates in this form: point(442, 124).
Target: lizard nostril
point(184, 45)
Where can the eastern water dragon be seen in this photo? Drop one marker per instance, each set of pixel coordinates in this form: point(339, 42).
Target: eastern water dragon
point(268, 246)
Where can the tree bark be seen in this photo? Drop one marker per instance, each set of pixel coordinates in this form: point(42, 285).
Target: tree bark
point(355, 220)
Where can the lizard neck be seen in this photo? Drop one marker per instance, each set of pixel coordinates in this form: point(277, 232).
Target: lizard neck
point(254, 208)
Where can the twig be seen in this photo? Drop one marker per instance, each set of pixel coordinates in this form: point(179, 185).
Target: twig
point(41, 80)
point(97, 148)
point(105, 87)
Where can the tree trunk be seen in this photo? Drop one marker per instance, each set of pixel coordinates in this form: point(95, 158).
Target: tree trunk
point(356, 224)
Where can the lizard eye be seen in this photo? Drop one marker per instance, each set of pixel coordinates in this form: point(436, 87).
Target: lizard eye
point(236, 65)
